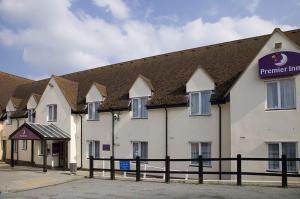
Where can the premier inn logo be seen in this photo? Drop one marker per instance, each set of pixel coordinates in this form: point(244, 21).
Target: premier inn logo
point(23, 134)
point(280, 59)
point(279, 64)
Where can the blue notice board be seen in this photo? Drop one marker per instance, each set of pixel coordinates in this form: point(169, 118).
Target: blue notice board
point(125, 165)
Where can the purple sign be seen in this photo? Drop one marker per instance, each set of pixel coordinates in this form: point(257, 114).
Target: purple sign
point(278, 64)
point(25, 134)
point(106, 147)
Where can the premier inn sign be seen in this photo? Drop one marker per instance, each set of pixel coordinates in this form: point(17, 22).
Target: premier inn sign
point(279, 64)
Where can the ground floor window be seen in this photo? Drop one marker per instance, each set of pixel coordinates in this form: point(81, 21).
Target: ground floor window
point(140, 149)
point(275, 150)
point(24, 145)
point(15, 146)
point(203, 148)
point(93, 148)
point(42, 148)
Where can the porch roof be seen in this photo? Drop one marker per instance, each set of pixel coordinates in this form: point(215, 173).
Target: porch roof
point(35, 131)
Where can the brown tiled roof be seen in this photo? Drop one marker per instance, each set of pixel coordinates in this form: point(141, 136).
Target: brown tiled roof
point(8, 84)
point(101, 88)
point(168, 74)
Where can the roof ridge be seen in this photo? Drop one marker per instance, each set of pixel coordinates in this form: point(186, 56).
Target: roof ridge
point(13, 75)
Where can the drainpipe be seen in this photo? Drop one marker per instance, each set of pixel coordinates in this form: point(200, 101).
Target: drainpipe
point(112, 133)
point(166, 125)
point(220, 141)
point(81, 144)
point(17, 141)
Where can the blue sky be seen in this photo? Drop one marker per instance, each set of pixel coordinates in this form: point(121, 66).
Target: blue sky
point(43, 37)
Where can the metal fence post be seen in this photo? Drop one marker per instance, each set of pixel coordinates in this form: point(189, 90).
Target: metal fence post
point(138, 169)
point(239, 170)
point(112, 167)
point(284, 171)
point(200, 169)
point(167, 172)
point(91, 166)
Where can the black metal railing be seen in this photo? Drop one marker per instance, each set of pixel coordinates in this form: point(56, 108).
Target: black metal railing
point(167, 171)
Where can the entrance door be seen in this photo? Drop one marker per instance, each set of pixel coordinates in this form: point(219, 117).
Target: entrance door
point(3, 150)
point(61, 155)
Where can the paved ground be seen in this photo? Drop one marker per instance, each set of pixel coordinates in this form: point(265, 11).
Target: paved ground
point(25, 178)
point(120, 189)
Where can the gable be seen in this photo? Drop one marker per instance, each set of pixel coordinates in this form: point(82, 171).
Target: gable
point(32, 103)
point(252, 71)
point(10, 106)
point(140, 88)
point(94, 95)
point(200, 81)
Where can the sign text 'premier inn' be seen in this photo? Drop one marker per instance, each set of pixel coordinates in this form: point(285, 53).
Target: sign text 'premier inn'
point(278, 64)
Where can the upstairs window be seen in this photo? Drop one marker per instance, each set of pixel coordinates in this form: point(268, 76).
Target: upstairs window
point(31, 118)
point(281, 94)
point(139, 109)
point(93, 108)
point(200, 103)
point(8, 118)
point(52, 113)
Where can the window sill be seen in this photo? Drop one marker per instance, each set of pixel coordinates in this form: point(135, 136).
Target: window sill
point(280, 109)
point(52, 121)
point(93, 120)
point(196, 165)
point(139, 118)
point(279, 171)
point(201, 115)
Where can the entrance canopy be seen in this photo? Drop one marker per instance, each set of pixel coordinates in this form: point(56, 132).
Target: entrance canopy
point(33, 131)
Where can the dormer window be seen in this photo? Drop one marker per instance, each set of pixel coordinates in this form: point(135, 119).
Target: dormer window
point(52, 113)
point(200, 103)
point(8, 118)
point(139, 109)
point(31, 115)
point(93, 111)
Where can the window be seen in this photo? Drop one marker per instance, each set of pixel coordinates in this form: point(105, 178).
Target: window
point(140, 149)
point(93, 148)
point(139, 109)
point(200, 103)
point(204, 149)
point(31, 115)
point(281, 94)
point(8, 118)
point(52, 113)
point(93, 108)
point(275, 150)
point(42, 148)
point(24, 145)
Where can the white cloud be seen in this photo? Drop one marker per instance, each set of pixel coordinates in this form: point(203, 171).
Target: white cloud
point(56, 40)
point(117, 7)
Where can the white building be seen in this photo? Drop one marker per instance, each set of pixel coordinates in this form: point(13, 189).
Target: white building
point(218, 101)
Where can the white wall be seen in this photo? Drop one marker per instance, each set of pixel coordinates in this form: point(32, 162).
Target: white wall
point(251, 125)
point(31, 104)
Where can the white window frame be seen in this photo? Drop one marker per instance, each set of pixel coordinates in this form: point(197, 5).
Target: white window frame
point(41, 148)
point(277, 81)
point(199, 113)
point(8, 118)
point(24, 145)
point(140, 149)
point(16, 143)
point(139, 116)
point(52, 119)
point(93, 148)
point(95, 113)
point(30, 117)
point(205, 163)
point(280, 154)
